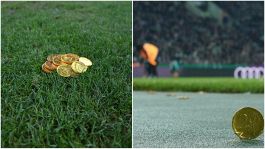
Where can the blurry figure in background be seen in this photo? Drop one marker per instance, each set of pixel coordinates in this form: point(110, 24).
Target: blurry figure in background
point(149, 57)
point(135, 62)
point(174, 66)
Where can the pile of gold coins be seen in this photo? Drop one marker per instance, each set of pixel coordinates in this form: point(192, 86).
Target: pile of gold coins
point(66, 65)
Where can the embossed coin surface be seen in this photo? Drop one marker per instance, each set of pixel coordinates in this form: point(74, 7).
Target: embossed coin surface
point(75, 56)
point(56, 60)
point(64, 70)
point(67, 65)
point(45, 69)
point(86, 61)
point(78, 67)
point(49, 65)
point(69, 58)
point(248, 123)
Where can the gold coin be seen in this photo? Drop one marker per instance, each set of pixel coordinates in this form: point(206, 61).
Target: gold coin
point(45, 69)
point(49, 65)
point(248, 123)
point(78, 67)
point(56, 60)
point(69, 58)
point(64, 70)
point(50, 57)
point(73, 55)
point(86, 61)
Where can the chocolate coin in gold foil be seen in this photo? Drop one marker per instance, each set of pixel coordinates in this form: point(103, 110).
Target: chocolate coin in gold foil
point(69, 58)
point(56, 60)
point(86, 61)
point(78, 67)
point(49, 65)
point(75, 56)
point(64, 70)
point(248, 123)
point(45, 69)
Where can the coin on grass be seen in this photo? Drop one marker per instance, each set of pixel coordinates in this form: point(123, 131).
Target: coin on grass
point(49, 65)
point(64, 70)
point(78, 67)
point(45, 69)
point(69, 58)
point(86, 61)
point(75, 56)
point(56, 60)
point(248, 123)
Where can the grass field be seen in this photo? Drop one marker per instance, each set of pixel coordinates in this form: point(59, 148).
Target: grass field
point(46, 110)
point(220, 85)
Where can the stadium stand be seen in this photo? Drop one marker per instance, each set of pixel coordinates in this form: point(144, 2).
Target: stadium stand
point(202, 32)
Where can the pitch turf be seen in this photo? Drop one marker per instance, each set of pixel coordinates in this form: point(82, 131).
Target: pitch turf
point(220, 85)
point(46, 110)
point(203, 120)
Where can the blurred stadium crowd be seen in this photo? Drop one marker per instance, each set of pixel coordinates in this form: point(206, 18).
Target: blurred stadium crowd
point(202, 32)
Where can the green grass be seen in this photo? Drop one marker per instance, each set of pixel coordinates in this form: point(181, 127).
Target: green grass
point(46, 110)
point(220, 85)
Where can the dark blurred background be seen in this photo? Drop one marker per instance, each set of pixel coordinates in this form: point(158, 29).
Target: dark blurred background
point(209, 35)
